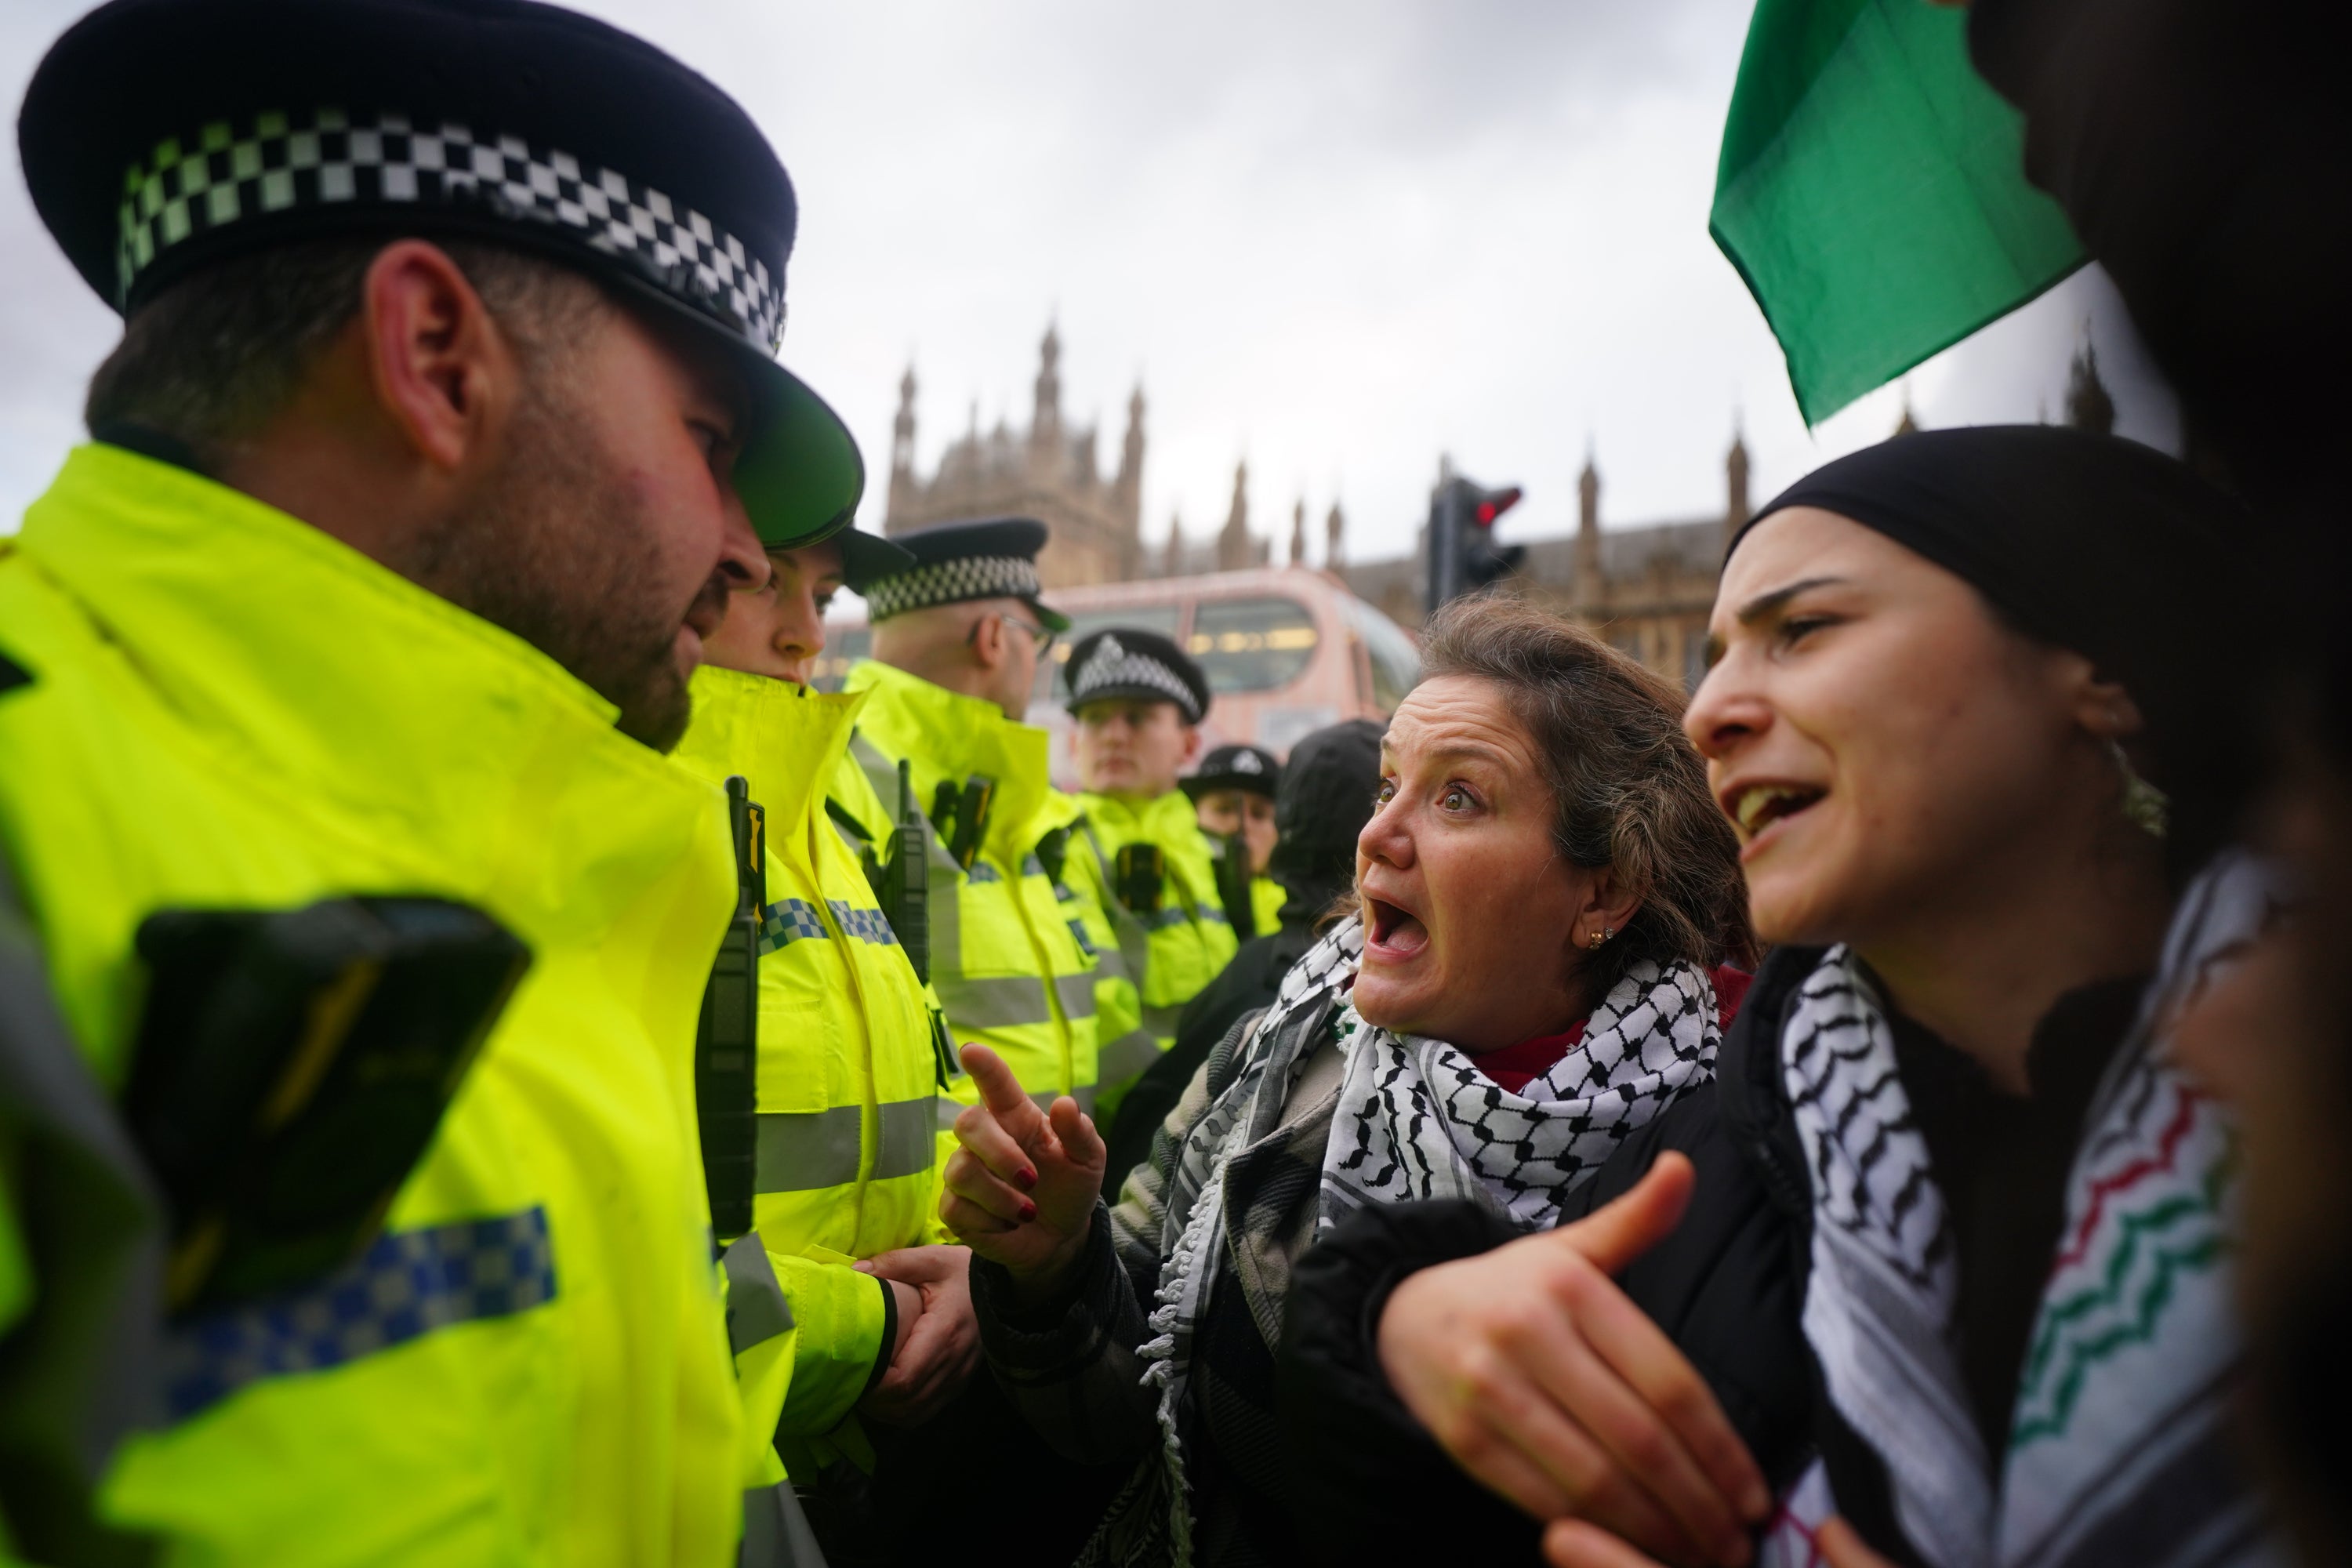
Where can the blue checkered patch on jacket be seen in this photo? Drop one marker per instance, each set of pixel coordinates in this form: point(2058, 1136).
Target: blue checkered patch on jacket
point(866, 925)
point(782, 924)
point(406, 1285)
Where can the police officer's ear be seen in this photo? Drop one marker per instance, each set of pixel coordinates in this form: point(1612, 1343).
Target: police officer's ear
point(442, 372)
point(987, 640)
point(1192, 746)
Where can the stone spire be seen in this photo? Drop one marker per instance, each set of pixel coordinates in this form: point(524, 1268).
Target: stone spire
point(1172, 562)
point(1045, 422)
point(1589, 588)
point(1735, 507)
point(902, 429)
point(1335, 538)
point(2089, 406)
point(1298, 533)
point(1234, 550)
point(1127, 490)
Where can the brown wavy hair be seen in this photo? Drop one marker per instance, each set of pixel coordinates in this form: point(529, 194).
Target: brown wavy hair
point(1629, 789)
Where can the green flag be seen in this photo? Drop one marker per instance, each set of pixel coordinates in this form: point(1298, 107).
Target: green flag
point(1872, 192)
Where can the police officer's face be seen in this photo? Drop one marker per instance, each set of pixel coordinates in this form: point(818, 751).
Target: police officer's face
point(778, 629)
point(1125, 746)
point(1243, 811)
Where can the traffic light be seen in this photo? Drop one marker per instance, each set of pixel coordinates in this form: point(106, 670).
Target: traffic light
point(1463, 554)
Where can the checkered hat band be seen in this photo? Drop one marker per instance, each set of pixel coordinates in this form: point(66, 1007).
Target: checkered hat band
point(1125, 667)
point(287, 162)
point(952, 583)
point(404, 1286)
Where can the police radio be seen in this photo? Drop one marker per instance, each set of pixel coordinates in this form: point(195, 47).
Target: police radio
point(1234, 888)
point(1137, 872)
point(901, 881)
point(727, 1038)
point(959, 813)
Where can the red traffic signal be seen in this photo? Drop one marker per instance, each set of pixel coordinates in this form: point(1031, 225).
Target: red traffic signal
point(1492, 504)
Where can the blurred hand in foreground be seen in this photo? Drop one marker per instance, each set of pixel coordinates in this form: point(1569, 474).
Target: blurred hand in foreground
point(1535, 1373)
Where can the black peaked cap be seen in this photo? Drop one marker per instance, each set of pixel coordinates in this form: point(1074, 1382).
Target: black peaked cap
point(955, 563)
point(1128, 661)
point(1242, 767)
point(161, 136)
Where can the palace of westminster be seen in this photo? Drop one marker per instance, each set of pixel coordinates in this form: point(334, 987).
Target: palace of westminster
point(1647, 589)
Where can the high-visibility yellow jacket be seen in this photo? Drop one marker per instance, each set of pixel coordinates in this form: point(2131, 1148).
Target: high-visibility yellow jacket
point(1167, 950)
point(1009, 950)
point(221, 706)
point(1265, 904)
point(848, 1070)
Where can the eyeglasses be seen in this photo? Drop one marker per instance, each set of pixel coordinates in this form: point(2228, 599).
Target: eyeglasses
point(1041, 635)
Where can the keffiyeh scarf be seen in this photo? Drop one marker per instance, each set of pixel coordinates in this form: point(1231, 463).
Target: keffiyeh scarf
point(1415, 1120)
point(2116, 1450)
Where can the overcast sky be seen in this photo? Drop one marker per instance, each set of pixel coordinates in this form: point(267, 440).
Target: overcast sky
point(1338, 239)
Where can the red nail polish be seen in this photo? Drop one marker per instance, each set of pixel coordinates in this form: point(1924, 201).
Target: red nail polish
point(1026, 1177)
point(1028, 1209)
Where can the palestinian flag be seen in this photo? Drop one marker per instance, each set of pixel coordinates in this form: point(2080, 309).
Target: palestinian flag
point(1872, 192)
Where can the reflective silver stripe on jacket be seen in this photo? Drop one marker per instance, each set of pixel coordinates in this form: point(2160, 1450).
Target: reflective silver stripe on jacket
point(801, 1152)
point(1163, 1021)
point(1128, 1057)
point(997, 1002)
point(1077, 993)
point(756, 1309)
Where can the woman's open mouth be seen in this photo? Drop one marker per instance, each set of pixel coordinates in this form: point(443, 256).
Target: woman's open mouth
point(1393, 931)
point(1756, 807)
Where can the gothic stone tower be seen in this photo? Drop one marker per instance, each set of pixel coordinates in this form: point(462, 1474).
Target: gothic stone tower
point(1048, 471)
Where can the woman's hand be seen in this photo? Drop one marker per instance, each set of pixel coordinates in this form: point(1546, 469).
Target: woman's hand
point(1022, 1189)
point(939, 1342)
point(1532, 1368)
point(1572, 1543)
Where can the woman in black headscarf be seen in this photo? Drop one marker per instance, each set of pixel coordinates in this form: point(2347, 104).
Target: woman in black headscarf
point(1951, 1262)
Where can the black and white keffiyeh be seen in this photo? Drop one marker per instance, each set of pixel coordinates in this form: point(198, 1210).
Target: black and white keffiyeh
point(2117, 1451)
point(1415, 1120)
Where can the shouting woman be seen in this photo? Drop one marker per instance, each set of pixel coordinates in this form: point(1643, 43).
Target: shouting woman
point(1950, 1264)
point(1546, 895)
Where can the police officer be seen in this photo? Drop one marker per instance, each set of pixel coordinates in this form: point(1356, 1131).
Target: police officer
point(1141, 858)
point(444, 419)
point(851, 1046)
point(1233, 794)
point(956, 638)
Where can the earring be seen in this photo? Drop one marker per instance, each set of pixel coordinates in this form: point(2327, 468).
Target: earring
point(1604, 934)
point(2145, 805)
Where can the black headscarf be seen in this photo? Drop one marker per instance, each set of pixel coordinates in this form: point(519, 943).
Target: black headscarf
point(1322, 804)
point(2097, 544)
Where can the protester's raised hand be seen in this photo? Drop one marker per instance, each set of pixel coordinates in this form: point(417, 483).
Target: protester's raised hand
point(1532, 1368)
point(1021, 1192)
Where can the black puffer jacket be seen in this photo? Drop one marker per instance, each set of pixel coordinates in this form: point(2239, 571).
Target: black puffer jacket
point(1727, 1288)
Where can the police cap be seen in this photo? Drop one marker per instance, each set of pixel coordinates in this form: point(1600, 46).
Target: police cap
point(162, 136)
point(1126, 661)
point(1242, 767)
point(955, 563)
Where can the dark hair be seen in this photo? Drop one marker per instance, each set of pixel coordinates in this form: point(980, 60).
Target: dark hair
point(214, 358)
point(1629, 788)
